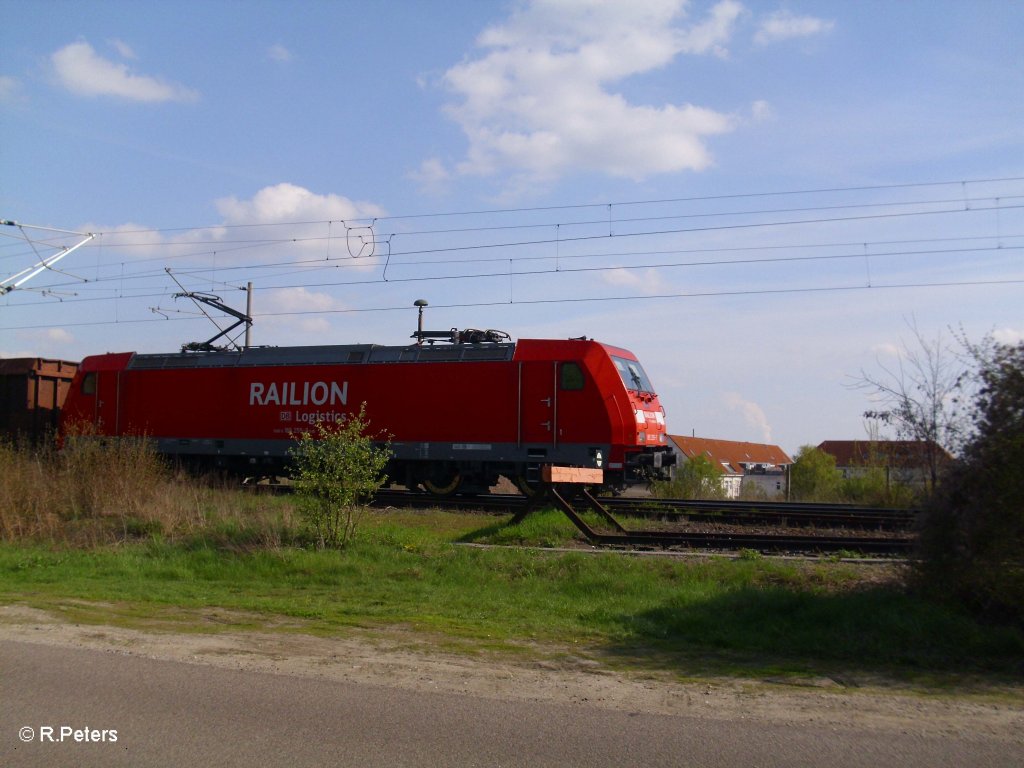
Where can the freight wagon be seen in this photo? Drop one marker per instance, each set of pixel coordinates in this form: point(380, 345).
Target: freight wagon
point(32, 392)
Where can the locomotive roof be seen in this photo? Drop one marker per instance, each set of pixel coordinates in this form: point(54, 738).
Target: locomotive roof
point(347, 354)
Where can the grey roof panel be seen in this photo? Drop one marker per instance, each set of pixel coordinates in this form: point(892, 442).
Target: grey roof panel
point(345, 354)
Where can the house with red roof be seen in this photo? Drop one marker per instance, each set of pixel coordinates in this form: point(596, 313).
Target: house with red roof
point(909, 462)
point(742, 464)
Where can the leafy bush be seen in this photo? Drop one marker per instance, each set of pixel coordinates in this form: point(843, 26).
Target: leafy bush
point(754, 492)
point(872, 486)
point(337, 470)
point(813, 476)
point(695, 478)
point(972, 542)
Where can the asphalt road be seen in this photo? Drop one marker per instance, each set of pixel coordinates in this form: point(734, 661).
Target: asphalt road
point(168, 714)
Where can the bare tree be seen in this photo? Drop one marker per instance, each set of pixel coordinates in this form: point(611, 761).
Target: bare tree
point(923, 398)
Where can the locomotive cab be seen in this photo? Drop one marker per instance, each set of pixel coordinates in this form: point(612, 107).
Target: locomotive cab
point(94, 400)
point(587, 404)
point(654, 458)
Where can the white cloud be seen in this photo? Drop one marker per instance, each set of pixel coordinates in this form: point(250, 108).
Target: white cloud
point(762, 111)
point(284, 300)
point(130, 239)
point(57, 336)
point(309, 326)
point(282, 314)
point(644, 280)
point(784, 25)
point(81, 70)
point(9, 86)
point(752, 413)
point(431, 176)
point(126, 51)
point(621, 277)
point(539, 103)
point(297, 221)
point(41, 342)
point(291, 203)
point(278, 52)
point(887, 349)
point(1008, 335)
point(711, 36)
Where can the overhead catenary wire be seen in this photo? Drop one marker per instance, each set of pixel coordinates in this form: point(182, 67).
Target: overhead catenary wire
point(618, 243)
point(963, 200)
point(558, 240)
point(577, 300)
point(220, 243)
point(961, 183)
point(858, 254)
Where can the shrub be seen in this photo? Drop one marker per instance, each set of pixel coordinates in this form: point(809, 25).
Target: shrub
point(695, 478)
point(972, 540)
point(813, 476)
point(872, 486)
point(337, 470)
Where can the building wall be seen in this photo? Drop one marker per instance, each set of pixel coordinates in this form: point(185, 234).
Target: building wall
point(773, 484)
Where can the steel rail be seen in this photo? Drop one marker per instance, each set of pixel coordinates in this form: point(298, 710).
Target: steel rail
point(716, 540)
point(756, 542)
point(737, 504)
point(783, 541)
point(799, 515)
point(768, 513)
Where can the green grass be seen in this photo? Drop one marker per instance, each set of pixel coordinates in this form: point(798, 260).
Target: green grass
point(109, 534)
point(752, 616)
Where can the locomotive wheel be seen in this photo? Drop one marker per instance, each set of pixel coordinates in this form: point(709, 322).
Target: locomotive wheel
point(443, 484)
point(528, 489)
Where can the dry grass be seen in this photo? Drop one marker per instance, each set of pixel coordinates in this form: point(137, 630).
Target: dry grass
point(94, 491)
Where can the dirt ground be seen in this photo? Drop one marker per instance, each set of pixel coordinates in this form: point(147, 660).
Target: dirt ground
point(402, 659)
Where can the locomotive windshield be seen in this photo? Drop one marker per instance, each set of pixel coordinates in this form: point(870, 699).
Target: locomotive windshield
point(633, 375)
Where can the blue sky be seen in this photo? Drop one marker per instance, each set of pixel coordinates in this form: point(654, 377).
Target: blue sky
point(758, 198)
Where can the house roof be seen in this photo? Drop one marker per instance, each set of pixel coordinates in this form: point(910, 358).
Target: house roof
point(731, 455)
point(892, 453)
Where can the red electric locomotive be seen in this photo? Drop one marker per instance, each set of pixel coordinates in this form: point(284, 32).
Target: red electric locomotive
point(459, 415)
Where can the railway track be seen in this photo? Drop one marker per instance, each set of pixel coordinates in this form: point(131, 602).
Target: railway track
point(712, 525)
point(776, 543)
point(792, 514)
point(742, 513)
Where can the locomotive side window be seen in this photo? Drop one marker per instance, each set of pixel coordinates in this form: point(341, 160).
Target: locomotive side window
point(89, 384)
point(572, 376)
point(632, 374)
